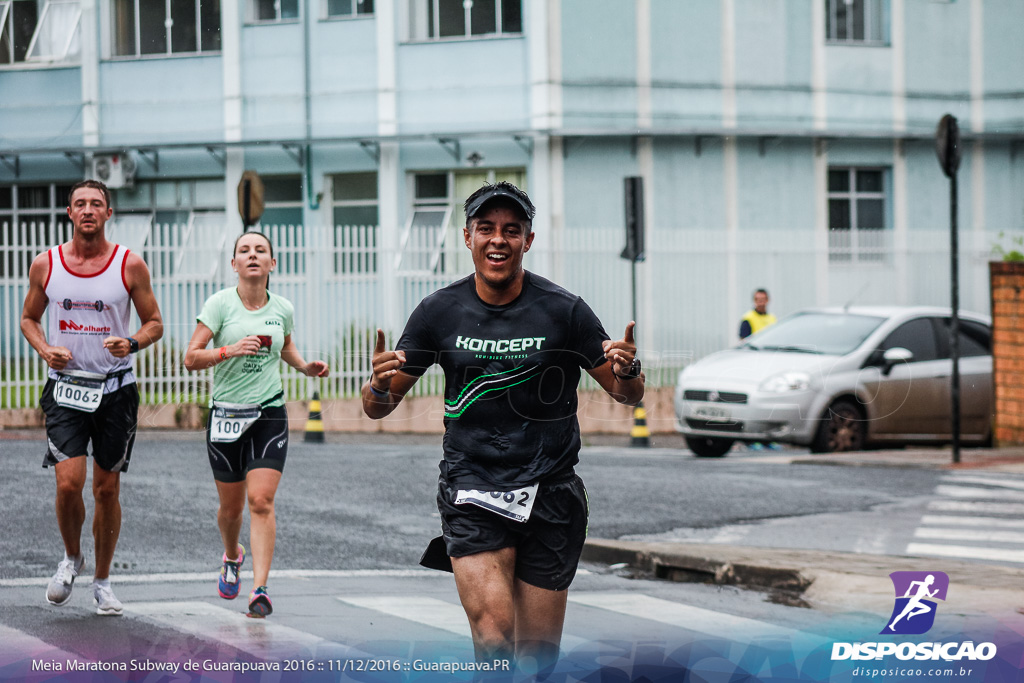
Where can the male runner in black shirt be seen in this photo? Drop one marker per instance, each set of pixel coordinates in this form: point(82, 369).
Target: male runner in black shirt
point(511, 345)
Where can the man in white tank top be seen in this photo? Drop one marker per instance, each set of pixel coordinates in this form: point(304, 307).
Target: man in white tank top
point(89, 286)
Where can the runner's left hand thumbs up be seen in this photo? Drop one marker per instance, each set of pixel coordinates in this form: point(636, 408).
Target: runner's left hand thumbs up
point(622, 352)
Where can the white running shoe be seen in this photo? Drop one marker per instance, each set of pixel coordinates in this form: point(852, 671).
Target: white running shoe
point(107, 603)
point(58, 592)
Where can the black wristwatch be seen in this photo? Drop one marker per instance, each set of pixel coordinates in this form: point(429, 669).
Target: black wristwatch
point(634, 370)
point(133, 345)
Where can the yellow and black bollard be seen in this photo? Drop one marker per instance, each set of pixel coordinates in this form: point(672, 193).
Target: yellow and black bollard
point(315, 423)
point(640, 436)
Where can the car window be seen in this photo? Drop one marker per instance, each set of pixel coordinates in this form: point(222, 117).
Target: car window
point(975, 338)
point(813, 332)
point(917, 336)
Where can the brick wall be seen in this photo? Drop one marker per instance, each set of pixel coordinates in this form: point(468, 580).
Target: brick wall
point(1007, 283)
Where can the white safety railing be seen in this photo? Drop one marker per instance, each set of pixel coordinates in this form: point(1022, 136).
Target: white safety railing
point(692, 290)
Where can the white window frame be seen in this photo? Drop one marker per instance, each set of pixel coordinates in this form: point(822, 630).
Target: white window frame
point(356, 12)
point(133, 230)
point(68, 42)
point(873, 17)
point(423, 235)
point(420, 32)
point(252, 14)
point(850, 245)
point(115, 52)
point(203, 244)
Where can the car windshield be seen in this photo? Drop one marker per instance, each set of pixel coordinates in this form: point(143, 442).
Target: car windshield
point(834, 334)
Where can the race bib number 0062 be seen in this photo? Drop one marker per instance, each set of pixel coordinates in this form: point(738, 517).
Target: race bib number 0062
point(515, 505)
point(78, 393)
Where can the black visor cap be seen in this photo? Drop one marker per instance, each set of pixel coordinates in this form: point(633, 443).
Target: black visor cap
point(498, 193)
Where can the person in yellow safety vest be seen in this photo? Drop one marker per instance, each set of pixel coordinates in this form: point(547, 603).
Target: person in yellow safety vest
point(757, 318)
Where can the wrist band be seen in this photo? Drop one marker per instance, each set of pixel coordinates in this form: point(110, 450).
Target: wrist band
point(223, 353)
point(377, 392)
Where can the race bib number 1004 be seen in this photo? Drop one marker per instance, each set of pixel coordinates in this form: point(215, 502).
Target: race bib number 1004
point(79, 393)
point(515, 505)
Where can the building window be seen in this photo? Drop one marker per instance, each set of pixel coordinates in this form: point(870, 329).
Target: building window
point(282, 200)
point(859, 22)
point(33, 218)
point(349, 8)
point(440, 19)
point(273, 11)
point(32, 31)
point(184, 220)
point(857, 215)
point(163, 27)
point(354, 206)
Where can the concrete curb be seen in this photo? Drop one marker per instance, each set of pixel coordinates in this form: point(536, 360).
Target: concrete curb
point(824, 580)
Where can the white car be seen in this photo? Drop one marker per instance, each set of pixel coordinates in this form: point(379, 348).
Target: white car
point(839, 379)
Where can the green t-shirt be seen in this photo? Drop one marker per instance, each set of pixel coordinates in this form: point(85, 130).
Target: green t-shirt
point(248, 379)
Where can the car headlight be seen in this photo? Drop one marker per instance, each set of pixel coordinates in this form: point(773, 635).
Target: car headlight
point(786, 382)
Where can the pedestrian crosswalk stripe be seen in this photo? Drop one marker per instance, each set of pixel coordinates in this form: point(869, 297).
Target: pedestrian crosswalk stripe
point(429, 611)
point(985, 522)
point(19, 646)
point(977, 535)
point(263, 638)
point(977, 553)
point(977, 493)
point(683, 616)
point(974, 479)
point(971, 506)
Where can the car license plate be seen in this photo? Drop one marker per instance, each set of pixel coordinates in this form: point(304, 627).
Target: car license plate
point(706, 413)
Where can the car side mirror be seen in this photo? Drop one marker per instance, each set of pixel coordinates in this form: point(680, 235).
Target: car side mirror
point(895, 355)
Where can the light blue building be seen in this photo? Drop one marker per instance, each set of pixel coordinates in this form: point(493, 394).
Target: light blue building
point(783, 143)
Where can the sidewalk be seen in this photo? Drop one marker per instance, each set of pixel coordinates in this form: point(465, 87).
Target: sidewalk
point(834, 581)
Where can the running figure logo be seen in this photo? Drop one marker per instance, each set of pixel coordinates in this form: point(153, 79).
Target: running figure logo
point(913, 590)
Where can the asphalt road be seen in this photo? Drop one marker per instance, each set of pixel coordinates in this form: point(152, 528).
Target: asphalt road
point(368, 502)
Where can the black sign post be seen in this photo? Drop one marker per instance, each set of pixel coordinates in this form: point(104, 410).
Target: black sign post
point(947, 147)
point(634, 253)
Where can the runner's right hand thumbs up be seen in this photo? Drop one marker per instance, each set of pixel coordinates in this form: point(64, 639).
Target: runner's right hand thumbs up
point(385, 364)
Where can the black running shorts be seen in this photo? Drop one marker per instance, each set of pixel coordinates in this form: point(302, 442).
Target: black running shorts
point(111, 428)
point(263, 444)
point(548, 545)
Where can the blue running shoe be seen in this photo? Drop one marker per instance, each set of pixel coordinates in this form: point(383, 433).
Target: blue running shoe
point(259, 603)
point(227, 584)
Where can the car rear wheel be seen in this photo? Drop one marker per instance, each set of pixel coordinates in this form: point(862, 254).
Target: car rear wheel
point(841, 429)
point(708, 446)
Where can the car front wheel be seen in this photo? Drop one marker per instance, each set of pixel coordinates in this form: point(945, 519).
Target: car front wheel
point(708, 446)
point(841, 429)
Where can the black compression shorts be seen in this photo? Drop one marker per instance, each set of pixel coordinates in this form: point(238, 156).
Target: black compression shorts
point(263, 444)
point(548, 545)
point(111, 428)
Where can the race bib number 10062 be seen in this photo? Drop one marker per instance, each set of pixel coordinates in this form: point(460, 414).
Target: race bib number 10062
point(78, 393)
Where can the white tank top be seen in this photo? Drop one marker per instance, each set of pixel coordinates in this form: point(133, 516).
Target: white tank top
point(86, 309)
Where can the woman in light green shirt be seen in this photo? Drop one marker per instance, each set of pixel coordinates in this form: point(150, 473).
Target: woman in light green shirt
point(247, 434)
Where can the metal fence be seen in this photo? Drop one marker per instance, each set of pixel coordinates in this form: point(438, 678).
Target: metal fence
point(692, 289)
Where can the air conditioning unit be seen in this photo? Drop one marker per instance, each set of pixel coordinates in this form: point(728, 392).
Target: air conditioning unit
point(114, 170)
